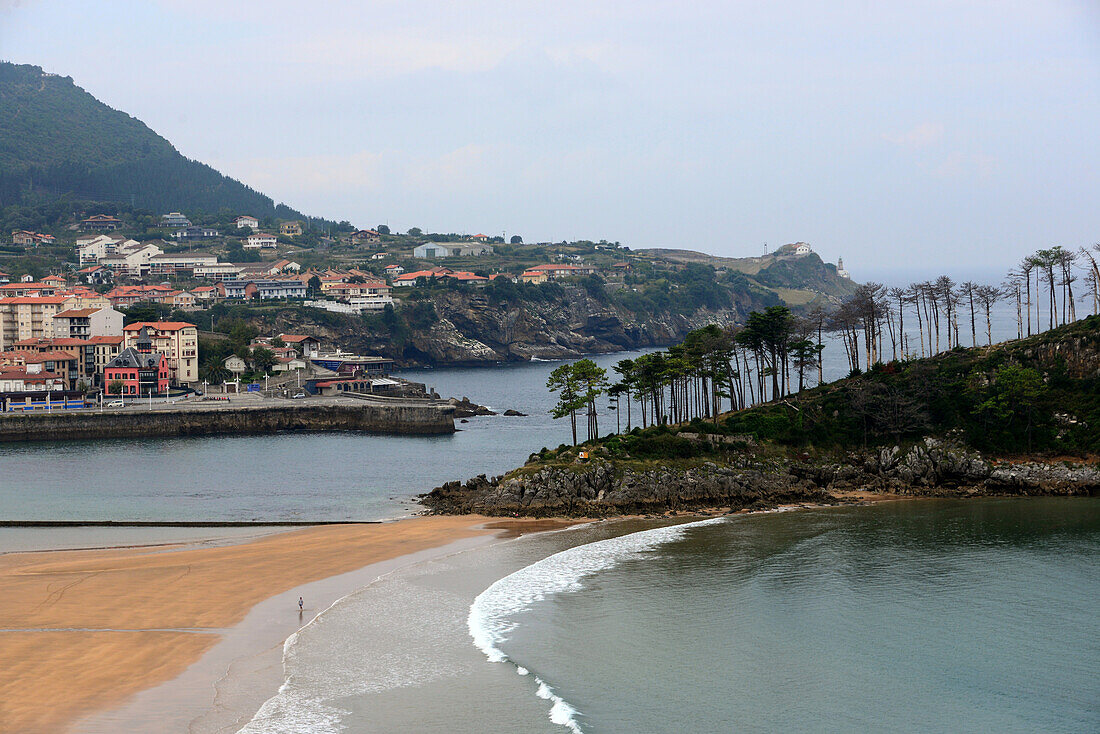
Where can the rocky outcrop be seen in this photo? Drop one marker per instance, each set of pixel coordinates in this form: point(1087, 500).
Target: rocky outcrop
point(472, 330)
point(466, 408)
point(600, 488)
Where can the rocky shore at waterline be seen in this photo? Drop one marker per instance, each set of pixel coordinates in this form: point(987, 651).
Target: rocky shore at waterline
point(600, 486)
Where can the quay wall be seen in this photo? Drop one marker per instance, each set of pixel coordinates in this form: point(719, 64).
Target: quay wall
point(394, 417)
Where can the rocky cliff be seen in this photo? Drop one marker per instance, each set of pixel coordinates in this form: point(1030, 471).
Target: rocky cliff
point(469, 329)
point(755, 479)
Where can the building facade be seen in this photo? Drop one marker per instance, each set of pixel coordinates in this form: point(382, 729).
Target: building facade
point(178, 341)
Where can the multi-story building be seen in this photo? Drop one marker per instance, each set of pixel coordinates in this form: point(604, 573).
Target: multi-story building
point(217, 271)
point(84, 323)
point(174, 219)
point(291, 229)
point(183, 262)
point(81, 366)
point(196, 233)
point(137, 371)
point(106, 348)
point(247, 221)
point(262, 289)
point(100, 223)
point(29, 317)
point(57, 362)
point(132, 261)
point(178, 341)
point(259, 240)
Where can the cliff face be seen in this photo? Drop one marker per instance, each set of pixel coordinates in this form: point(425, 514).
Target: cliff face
point(601, 488)
point(470, 329)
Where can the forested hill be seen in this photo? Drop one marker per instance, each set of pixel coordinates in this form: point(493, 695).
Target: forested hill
point(58, 140)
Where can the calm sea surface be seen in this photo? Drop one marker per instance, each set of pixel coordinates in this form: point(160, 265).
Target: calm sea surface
point(305, 476)
point(932, 615)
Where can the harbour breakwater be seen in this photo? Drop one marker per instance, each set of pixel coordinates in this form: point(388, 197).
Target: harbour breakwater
point(369, 416)
point(600, 488)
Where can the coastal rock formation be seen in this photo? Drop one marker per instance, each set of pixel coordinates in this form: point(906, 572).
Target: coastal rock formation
point(603, 487)
point(465, 408)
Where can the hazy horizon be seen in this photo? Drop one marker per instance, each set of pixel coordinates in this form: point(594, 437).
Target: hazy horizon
point(956, 137)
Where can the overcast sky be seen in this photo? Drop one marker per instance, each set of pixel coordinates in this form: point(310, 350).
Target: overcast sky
point(961, 133)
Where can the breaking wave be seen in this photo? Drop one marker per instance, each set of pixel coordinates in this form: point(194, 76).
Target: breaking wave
point(491, 615)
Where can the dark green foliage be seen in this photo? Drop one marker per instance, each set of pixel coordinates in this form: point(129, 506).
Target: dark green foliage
point(1017, 398)
point(653, 444)
point(57, 140)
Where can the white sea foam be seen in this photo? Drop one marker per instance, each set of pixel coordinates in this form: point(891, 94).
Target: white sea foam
point(492, 614)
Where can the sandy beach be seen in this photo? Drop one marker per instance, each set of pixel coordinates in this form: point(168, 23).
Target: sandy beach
point(85, 630)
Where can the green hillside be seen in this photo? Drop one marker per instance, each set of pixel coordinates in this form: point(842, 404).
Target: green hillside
point(58, 140)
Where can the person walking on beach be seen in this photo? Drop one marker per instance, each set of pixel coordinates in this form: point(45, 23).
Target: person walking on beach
point(301, 604)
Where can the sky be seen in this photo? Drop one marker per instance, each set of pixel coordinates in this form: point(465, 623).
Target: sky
point(944, 135)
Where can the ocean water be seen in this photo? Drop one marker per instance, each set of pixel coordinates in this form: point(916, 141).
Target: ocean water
point(932, 615)
point(287, 476)
point(307, 476)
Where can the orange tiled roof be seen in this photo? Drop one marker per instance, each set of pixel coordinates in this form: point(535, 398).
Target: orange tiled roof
point(159, 325)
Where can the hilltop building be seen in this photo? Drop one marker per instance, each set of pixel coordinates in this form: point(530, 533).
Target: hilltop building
point(175, 220)
point(840, 271)
point(100, 223)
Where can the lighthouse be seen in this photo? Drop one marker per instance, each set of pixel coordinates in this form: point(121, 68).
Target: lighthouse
point(840, 271)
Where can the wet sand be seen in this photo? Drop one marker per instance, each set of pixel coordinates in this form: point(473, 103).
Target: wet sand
point(85, 630)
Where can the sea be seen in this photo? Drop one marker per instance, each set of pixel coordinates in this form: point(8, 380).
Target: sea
point(927, 615)
point(909, 616)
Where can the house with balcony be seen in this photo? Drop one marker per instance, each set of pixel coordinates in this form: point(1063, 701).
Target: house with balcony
point(100, 223)
point(291, 229)
point(84, 323)
point(180, 262)
point(260, 240)
point(196, 233)
point(247, 221)
point(174, 220)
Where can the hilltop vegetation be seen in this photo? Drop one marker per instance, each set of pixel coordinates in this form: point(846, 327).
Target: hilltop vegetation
point(58, 140)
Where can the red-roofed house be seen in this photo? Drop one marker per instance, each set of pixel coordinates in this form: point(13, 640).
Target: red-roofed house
point(127, 295)
point(176, 340)
point(306, 345)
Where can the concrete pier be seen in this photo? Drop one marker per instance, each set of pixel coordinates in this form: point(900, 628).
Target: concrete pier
point(369, 415)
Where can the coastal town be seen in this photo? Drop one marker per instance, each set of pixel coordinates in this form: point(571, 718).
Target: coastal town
point(119, 314)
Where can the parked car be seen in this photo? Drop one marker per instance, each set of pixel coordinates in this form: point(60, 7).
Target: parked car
point(298, 395)
point(114, 404)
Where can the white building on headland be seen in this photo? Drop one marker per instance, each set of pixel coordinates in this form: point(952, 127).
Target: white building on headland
point(840, 271)
point(801, 248)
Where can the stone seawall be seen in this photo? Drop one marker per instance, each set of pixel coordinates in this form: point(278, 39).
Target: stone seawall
point(398, 417)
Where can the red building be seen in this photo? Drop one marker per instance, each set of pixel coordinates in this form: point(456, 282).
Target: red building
point(139, 369)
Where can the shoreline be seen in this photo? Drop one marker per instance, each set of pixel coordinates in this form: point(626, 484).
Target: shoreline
point(153, 661)
point(86, 630)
